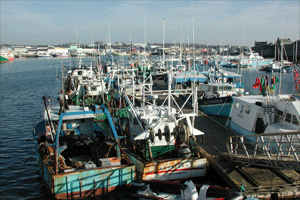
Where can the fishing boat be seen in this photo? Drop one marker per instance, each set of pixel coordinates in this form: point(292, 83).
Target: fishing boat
point(229, 61)
point(215, 95)
point(82, 71)
point(215, 98)
point(161, 140)
point(265, 113)
point(255, 114)
point(63, 54)
point(85, 85)
point(281, 67)
point(77, 157)
point(88, 93)
point(252, 59)
point(43, 54)
point(6, 56)
point(181, 191)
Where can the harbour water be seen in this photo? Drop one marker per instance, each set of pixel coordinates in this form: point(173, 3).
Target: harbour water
point(23, 82)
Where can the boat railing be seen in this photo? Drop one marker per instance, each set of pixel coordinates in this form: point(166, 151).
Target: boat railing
point(274, 150)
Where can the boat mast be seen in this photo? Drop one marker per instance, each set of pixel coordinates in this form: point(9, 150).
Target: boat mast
point(99, 66)
point(275, 51)
point(194, 89)
point(194, 45)
point(62, 86)
point(180, 56)
point(145, 42)
point(164, 40)
point(296, 60)
point(281, 55)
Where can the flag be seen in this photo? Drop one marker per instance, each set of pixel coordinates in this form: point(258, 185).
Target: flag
point(274, 81)
point(257, 83)
point(262, 85)
point(205, 61)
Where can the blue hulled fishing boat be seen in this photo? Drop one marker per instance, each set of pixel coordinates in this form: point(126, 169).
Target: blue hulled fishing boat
point(79, 154)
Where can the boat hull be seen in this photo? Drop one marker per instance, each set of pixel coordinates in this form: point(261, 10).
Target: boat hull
point(216, 106)
point(86, 183)
point(169, 169)
point(176, 190)
point(241, 131)
point(3, 59)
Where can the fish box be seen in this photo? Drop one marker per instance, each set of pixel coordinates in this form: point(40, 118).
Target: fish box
point(104, 162)
point(108, 162)
point(115, 161)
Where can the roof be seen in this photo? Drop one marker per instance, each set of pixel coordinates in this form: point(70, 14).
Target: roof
point(181, 77)
point(74, 112)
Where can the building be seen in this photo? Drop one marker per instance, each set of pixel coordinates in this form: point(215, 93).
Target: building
point(291, 50)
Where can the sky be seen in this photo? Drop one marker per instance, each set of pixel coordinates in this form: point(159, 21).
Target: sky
point(214, 22)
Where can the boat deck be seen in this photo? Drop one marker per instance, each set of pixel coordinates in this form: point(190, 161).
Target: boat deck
point(262, 183)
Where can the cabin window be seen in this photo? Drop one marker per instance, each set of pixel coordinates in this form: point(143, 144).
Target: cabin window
point(295, 120)
point(278, 115)
point(79, 72)
point(93, 88)
point(247, 110)
point(288, 117)
point(237, 104)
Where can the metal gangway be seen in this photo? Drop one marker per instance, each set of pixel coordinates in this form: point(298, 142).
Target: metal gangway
point(273, 150)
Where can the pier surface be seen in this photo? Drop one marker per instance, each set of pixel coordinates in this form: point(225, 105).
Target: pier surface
point(262, 183)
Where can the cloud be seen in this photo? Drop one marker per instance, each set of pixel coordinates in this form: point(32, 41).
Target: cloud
point(228, 22)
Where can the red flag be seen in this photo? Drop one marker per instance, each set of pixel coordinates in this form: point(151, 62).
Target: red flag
point(206, 61)
point(257, 83)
